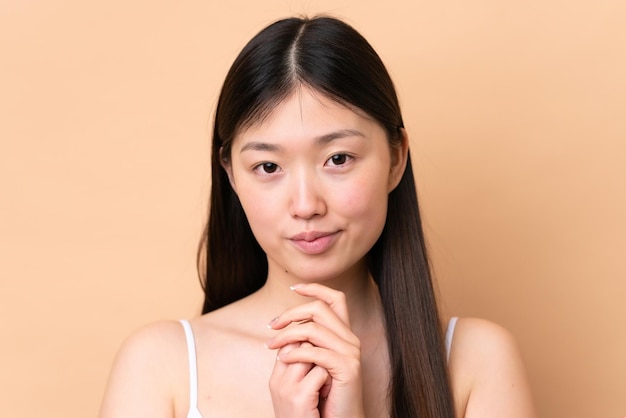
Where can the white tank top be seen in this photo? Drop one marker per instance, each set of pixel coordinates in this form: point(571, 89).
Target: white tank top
point(194, 412)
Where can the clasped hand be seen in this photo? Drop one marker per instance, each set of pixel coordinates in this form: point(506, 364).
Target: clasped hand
point(317, 373)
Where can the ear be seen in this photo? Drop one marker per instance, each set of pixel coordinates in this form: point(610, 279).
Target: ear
point(399, 156)
point(226, 165)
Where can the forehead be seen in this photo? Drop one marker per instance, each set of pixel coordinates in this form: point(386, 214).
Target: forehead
point(306, 113)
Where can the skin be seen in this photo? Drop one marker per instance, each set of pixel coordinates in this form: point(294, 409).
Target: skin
point(313, 179)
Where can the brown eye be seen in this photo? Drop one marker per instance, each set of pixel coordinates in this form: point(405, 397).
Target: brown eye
point(268, 168)
point(339, 159)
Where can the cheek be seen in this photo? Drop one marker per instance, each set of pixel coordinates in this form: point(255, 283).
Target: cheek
point(364, 199)
point(258, 208)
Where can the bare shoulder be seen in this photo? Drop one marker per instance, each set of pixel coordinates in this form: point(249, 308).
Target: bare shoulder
point(481, 340)
point(487, 372)
point(169, 334)
point(147, 369)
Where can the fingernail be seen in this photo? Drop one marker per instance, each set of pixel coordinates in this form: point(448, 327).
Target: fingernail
point(268, 343)
point(296, 286)
point(272, 322)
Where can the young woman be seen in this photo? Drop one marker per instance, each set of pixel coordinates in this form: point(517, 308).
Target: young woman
point(319, 301)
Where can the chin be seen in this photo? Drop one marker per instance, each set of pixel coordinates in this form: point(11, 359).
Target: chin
point(325, 277)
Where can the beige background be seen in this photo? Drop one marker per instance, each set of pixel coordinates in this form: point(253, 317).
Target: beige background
point(516, 115)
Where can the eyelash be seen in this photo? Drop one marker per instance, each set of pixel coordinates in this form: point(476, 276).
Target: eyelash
point(347, 158)
point(260, 168)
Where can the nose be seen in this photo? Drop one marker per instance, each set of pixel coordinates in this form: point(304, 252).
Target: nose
point(306, 199)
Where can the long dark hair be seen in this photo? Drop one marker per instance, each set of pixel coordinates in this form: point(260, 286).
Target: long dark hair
point(332, 58)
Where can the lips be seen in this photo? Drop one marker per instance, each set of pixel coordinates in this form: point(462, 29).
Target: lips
point(314, 242)
point(310, 235)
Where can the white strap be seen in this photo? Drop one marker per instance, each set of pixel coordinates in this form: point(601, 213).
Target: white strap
point(450, 335)
point(194, 412)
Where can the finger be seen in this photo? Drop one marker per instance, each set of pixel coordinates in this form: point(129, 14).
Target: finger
point(280, 367)
point(295, 371)
point(316, 380)
point(301, 397)
point(318, 312)
point(333, 298)
point(342, 368)
point(317, 335)
point(296, 385)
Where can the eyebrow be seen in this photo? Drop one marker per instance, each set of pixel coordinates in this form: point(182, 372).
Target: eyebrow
point(320, 140)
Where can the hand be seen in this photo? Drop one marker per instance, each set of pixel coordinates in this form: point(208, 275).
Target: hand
point(318, 368)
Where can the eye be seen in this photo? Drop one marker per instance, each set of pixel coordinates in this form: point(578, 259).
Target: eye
point(339, 159)
point(266, 168)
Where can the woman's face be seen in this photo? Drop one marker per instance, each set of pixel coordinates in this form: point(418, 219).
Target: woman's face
point(313, 180)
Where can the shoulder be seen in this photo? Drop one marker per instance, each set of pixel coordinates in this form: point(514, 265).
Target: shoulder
point(481, 340)
point(155, 342)
point(148, 367)
point(487, 372)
